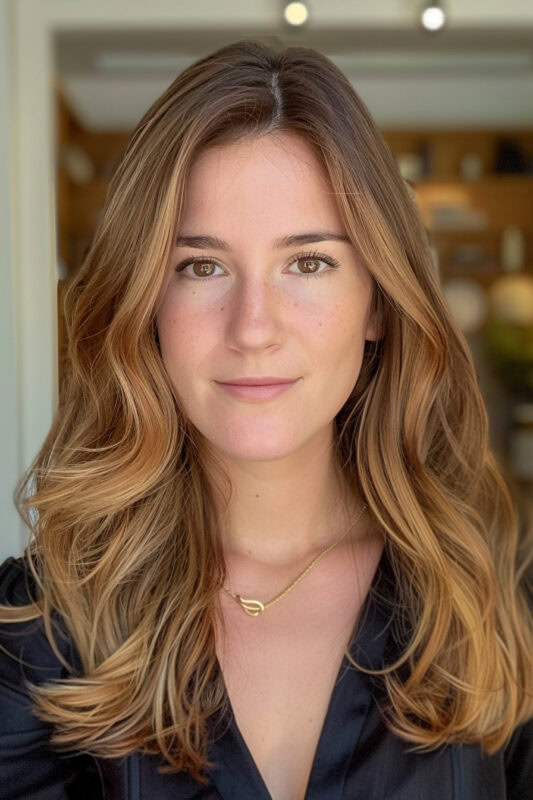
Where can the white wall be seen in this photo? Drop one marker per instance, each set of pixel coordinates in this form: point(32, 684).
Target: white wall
point(11, 527)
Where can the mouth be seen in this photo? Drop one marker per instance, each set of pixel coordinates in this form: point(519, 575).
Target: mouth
point(264, 380)
point(262, 391)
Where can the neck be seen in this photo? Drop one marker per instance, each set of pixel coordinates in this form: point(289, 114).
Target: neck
point(285, 511)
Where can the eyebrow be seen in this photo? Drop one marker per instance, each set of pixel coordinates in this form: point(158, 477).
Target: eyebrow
point(204, 241)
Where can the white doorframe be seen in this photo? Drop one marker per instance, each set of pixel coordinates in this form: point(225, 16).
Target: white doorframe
point(11, 525)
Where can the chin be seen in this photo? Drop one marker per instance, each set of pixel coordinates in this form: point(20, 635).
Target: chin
point(259, 447)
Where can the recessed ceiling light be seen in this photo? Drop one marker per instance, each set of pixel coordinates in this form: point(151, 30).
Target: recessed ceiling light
point(296, 13)
point(433, 16)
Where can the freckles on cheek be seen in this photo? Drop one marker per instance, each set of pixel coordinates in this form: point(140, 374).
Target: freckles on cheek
point(341, 329)
point(183, 338)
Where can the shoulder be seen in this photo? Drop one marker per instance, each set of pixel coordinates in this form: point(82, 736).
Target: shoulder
point(518, 761)
point(25, 651)
point(28, 765)
point(17, 584)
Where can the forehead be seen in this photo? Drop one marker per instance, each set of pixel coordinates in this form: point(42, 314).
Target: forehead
point(268, 181)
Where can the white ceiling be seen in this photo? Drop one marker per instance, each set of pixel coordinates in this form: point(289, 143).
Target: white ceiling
point(408, 78)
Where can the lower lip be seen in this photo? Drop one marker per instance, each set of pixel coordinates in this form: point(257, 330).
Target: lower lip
point(256, 392)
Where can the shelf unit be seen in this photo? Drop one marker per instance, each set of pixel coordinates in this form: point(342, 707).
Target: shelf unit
point(498, 199)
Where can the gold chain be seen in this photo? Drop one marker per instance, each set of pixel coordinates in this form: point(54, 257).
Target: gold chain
point(256, 607)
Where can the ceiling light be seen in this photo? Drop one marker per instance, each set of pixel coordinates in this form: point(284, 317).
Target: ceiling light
point(433, 16)
point(296, 13)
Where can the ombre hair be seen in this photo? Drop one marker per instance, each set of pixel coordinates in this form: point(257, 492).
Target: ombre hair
point(126, 542)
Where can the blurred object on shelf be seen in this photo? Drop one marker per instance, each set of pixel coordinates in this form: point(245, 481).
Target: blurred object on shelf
point(510, 349)
point(511, 299)
point(76, 163)
point(411, 166)
point(510, 157)
point(510, 333)
point(521, 441)
point(470, 257)
point(512, 249)
point(468, 303)
point(471, 167)
point(457, 218)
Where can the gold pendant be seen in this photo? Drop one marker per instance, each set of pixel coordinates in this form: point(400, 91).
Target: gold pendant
point(252, 607)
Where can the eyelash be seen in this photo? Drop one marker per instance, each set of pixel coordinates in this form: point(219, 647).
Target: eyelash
point(311, 255)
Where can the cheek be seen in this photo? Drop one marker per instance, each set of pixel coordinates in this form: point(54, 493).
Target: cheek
point(186, 339)
point(339, 354)
point(342, 331)
point(174, 333)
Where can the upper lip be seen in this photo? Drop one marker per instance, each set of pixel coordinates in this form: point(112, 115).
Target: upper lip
point(265, 380)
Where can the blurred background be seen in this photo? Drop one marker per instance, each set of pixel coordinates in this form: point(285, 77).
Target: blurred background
point(449, 84)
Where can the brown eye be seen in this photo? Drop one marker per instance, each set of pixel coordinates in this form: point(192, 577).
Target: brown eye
point(201, 268)
point(310, 265)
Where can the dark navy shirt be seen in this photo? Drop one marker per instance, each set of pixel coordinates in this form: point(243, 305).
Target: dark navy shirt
point(357, 757)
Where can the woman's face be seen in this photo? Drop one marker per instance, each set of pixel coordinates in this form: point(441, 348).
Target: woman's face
point(248, 305)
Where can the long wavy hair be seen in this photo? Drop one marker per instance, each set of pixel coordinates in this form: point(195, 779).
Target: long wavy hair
point(125, 538)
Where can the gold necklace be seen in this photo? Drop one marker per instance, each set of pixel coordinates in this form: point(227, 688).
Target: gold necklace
point(256, 607)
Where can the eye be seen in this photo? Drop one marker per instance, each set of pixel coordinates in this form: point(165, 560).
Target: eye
point(203, 267)
point(311, 262)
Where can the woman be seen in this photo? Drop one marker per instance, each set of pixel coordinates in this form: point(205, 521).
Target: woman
point(273, 554)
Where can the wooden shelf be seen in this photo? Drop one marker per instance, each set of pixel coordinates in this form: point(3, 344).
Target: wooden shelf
point(445, 149)
point(505, 201)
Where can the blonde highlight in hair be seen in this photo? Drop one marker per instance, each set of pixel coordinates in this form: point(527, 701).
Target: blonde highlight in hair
point(126, 545)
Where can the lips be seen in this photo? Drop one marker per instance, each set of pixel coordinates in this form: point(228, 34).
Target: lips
point(256, 392)
point(267, 380)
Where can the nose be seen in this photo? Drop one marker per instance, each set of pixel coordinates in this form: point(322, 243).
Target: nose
point(255, 315)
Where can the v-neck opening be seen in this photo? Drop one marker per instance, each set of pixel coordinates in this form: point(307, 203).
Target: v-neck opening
point(236, 773)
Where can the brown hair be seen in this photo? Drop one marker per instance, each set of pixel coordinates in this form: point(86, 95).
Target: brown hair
point(126, 545)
